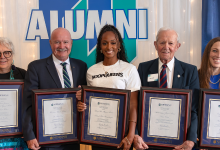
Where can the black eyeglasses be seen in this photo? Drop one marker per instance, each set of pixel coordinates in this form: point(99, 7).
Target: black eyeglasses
point(7, 54)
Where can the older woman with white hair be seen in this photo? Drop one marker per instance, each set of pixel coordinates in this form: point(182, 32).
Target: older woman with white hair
point(9, 71)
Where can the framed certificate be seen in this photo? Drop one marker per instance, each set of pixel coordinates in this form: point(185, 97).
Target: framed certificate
point(11, 93)
point(55, 115)
point(105, 120)
point(209, 119)
point(164, 116)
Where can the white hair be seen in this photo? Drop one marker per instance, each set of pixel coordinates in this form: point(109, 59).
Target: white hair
point(166, 29)
point(7, 43)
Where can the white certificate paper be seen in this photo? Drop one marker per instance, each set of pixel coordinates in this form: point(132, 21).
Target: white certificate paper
point(164, 118)
point(8, 108)
point(214, 119)
point(57, 116)
point(103, 117)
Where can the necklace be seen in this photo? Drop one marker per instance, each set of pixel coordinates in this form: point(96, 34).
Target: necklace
point(215, 82)
point(106, 71)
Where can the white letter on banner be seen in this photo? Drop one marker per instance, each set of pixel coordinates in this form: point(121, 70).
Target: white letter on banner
point(53, 20)
point(121, 22)
point(142, 24)
point(37, 17)
point(79, 23)
point(94, 23)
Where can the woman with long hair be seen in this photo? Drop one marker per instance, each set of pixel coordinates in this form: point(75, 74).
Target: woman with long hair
point(111, 61)
point(209, 72)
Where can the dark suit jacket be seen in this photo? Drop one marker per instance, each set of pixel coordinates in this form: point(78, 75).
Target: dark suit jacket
point(188, 80)
point(42, 74)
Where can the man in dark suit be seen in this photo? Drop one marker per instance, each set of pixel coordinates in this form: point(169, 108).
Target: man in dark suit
point(178, 75)
point(48, 73)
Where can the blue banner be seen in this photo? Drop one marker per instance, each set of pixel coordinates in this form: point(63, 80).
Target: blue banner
point(210, 21)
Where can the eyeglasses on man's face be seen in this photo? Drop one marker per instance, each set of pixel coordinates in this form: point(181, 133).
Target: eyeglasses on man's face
point(6, 54)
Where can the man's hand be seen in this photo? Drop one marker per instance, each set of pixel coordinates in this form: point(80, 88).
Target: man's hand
point(80, 106)
point(139, 143)
point(33, 144)
point(79, 93)
point(187, 145)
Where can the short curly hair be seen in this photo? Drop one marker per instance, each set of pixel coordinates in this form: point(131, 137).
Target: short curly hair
point(7, 43)
point(121, 55)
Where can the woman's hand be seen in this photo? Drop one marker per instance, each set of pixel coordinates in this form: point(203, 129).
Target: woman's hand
point(81, 106)
point(126, 142)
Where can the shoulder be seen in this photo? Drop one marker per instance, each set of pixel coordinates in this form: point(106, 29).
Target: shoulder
point(126, 65)
point(147, 64)
point(95, 66)
point(77, 61)
point(121, 62)
point(185, 66)
point(19, 73)
point(21, 70)
point(39, 62)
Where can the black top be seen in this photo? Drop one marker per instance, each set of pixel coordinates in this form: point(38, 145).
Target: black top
point(18, 74)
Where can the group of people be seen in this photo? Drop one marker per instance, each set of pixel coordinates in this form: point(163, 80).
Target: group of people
point(110, 58)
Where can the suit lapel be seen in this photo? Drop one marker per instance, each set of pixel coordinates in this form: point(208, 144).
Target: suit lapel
point(53, 72)
point(177, 75)
point(152, 70)
point(73, 65)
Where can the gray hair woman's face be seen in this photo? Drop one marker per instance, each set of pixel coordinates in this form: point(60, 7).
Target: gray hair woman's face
point(6, 58)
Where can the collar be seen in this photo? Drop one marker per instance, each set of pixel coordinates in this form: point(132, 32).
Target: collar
point(57, 61)
point(170, 65)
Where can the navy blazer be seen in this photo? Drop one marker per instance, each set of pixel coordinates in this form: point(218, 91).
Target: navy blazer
point(42, 74)
point(188, 80)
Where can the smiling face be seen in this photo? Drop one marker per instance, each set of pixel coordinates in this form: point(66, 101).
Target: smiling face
point(61, 43)
point(214, 56)
point(5, 63)
point(166, 45)
point(110, 46)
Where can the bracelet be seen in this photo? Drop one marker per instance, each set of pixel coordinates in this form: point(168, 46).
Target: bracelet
point(127, 141)
point(132, 121)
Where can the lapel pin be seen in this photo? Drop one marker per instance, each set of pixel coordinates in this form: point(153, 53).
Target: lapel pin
point(73, 67)
point(178, 76)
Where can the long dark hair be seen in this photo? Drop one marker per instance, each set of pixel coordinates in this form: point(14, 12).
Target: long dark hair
point(121, 55)
point(205, 70)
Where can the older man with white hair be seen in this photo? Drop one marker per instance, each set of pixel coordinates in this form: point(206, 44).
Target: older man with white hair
point(176, 74)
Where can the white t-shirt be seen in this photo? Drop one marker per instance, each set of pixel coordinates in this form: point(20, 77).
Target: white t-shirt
point(121, 75)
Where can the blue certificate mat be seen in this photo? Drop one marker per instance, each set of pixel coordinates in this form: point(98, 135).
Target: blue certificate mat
point(209, 119)
point(55, 116)
point(104, 122)
point(164, 116)
point(11, 93)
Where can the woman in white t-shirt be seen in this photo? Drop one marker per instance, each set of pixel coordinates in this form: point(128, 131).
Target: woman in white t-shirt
point(112, 70)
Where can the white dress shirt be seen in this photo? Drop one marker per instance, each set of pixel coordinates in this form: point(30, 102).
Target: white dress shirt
point(59, 68)
point(169, 72)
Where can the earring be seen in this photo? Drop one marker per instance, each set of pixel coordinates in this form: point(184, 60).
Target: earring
point(12, 65)
point(119, 50)
point(11, 71)
point(101, 51)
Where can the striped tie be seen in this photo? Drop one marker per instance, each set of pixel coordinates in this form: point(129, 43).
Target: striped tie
point(66, 78)
point(163, 77)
